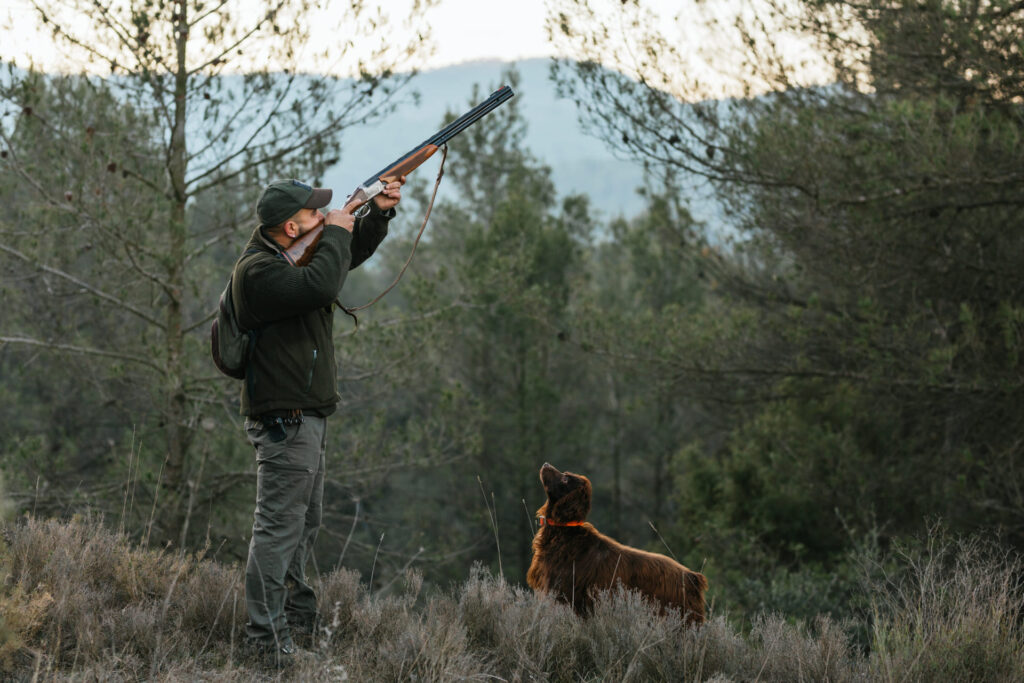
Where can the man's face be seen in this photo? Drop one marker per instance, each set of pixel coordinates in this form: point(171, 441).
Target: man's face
point(306, 220)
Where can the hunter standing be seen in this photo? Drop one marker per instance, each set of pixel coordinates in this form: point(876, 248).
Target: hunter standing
point(291, 388)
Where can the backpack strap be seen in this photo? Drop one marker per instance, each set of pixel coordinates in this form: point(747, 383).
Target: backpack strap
point(246, 253)
point(254, 334)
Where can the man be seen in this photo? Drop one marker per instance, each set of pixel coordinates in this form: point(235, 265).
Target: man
point(290, 388)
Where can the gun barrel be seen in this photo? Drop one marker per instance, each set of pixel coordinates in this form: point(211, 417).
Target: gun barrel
point(496, 99)
point(301, 250)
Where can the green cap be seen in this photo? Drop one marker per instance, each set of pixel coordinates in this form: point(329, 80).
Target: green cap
point(282, 199)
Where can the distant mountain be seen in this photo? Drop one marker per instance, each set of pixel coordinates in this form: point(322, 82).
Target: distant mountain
point(579, 163)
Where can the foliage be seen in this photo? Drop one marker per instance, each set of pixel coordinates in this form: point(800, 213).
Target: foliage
point(859, 347)
point(140, 179)
point(945, 611)
point(773, 397)
point(480, 351)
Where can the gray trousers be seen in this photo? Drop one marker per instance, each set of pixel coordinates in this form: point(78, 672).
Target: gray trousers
point(289, 507)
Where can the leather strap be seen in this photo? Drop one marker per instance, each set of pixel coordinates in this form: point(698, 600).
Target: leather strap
point(426, 217)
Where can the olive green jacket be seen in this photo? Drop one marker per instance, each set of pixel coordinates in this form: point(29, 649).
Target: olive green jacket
point(292, 365)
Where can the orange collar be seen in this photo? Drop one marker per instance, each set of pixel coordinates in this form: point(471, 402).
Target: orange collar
point(544, 521)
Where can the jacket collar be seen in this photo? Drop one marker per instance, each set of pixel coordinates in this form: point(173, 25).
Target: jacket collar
point(259, 240)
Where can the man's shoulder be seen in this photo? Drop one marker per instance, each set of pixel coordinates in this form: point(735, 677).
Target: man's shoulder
point(246, 274)
point(255, 258)
point(258, 248)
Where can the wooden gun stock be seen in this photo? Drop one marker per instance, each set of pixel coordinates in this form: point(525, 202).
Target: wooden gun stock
point(409, 164)
point(302, 249)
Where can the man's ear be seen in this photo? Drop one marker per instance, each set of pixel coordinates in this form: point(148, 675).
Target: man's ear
point(291, 228)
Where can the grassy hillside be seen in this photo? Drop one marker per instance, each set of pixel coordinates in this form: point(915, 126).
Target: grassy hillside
point(79, 601)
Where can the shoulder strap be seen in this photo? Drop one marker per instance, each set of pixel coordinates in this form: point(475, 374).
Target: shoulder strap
point(252, 334)
point(240, 267)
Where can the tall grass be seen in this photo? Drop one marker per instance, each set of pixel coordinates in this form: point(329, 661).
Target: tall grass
point(79, 601)
point(953, 613)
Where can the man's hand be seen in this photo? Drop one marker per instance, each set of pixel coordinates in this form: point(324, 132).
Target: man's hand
point(388, 198)
point(342, 217)
point(391, 195)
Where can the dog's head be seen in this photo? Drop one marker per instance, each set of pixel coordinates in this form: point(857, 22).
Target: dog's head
point(568, 495)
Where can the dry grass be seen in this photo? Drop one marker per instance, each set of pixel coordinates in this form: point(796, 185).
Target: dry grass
point(80, 602)
point(953, 614)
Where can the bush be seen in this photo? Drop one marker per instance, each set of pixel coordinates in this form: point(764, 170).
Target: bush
point(111, 599)
point(952, 613)
point(81, 601)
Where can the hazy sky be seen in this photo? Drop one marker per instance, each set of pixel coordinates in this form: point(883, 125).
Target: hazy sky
point(463, 30)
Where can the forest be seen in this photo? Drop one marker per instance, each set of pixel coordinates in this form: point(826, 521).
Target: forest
point(820, 392)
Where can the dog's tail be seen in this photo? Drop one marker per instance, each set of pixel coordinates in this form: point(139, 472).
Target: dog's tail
point(696, 582)
point(694, 586)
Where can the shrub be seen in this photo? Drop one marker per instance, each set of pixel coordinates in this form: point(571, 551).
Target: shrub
point(112, 599)
point(952, 612)
point(82, 602)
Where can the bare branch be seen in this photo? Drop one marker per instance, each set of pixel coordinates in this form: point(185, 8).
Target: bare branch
point(110, 61)
point(84, 350)
point(242, 39)
point(27, 177)
point(213, 10)
point(122, 32)
point(213, 139)
point(202, 321)
point(247, 145)
point(426, 315)
point(110, 298)
point(216, 239)
point(163, 284)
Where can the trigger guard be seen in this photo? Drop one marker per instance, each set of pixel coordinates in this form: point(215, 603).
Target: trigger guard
point(362, 210)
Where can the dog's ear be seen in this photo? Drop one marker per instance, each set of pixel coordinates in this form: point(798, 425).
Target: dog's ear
point(574, 506)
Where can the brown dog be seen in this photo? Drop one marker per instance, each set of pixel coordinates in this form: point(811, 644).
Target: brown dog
point(573, 560)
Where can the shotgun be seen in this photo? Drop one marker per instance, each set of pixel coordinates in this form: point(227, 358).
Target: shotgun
point(301, 251)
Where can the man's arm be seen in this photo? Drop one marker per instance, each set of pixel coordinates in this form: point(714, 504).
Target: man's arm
point(370, 230)
point(273, 289)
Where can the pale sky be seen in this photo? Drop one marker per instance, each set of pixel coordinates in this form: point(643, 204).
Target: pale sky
point(466, 30)
point(463, 30)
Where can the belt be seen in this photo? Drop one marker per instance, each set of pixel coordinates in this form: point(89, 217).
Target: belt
point(288, 417)
point(275, 424)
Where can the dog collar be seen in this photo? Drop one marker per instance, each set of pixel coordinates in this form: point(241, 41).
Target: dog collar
point(544, 521)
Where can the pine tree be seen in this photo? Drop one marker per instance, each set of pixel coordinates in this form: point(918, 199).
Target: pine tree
point(222, 98)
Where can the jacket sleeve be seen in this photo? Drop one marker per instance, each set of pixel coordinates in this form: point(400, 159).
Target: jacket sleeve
point(274, 289)
point(368, 233)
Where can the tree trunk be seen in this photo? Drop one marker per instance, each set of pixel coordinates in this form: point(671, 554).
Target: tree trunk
point(524, 454)
point(176, 427)
point(616, 447)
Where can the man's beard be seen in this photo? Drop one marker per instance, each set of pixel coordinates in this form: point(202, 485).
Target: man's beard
point(316, 225)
